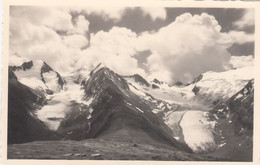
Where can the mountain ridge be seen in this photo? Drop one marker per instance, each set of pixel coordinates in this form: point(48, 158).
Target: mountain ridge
point(100, 104)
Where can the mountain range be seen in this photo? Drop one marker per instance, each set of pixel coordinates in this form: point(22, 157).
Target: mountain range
point(128, 117)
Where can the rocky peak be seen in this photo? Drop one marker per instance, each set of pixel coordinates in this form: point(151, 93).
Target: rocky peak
point(102, 78)
point(46, 68)
point(156, 81)
point(37, 74)
point(197, 79)
point(139, 79)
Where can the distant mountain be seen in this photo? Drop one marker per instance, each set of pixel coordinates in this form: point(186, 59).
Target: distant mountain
point(39, 75)
point(212, 115)
point(139, 79)
point(211, 88)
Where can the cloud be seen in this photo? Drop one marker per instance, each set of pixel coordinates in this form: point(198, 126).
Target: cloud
point(180, 51)
point(75, 41)
point(81, 26)
point(47, 34)
point(115, 49)
point(186, 48)
point(240, 37)
point(247, 20)
point(53, 35)
point(242, 61)
point(43, 16)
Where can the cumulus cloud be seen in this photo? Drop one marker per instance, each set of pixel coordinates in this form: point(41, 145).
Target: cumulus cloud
point(247, 20)
point(180, 51)
point(242, 61)
point(75, 41)
point(115, 49)
point(240, 37)
point(81, 26)
point(42, 16)
point(52, 34)
point(186, 48)
point(35, 34)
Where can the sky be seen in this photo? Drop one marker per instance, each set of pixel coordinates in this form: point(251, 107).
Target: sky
point(170, 44)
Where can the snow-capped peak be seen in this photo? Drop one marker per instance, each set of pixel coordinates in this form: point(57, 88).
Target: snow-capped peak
point(37, 74)
point(215, 86)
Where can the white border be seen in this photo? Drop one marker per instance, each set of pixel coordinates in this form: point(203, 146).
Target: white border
point(130, 3)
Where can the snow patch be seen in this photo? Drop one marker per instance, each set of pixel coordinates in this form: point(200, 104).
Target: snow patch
point(221, 145)
point(90, 113)
point(156, 110)
point(176, 137)
point(238, 96)
point(128, 104)
point(89, 101)
point(160, 105)
point(51, 80)
point(136, 91)
point(139, 109)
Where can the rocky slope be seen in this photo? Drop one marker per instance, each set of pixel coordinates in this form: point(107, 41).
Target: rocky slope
point(213, 114)
point(115, 111)
point(234, 128)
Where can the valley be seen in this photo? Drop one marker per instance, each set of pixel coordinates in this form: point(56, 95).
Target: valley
point(97, 114)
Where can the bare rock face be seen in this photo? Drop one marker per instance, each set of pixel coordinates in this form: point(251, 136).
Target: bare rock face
point(46, 68)
point(139, 79)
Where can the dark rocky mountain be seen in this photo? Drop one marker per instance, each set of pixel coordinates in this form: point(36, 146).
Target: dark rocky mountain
point(178, 83)
point(234, 128)
point(45, 69)
point(139, 79)
point(156, 81)
point(116, 111)
point(23, 125)
point(155, 86)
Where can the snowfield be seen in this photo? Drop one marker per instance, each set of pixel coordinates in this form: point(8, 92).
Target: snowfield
point(60, 104)
point(32, 77)
point(197, 131)
point(51, 80)
point(222, 85)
